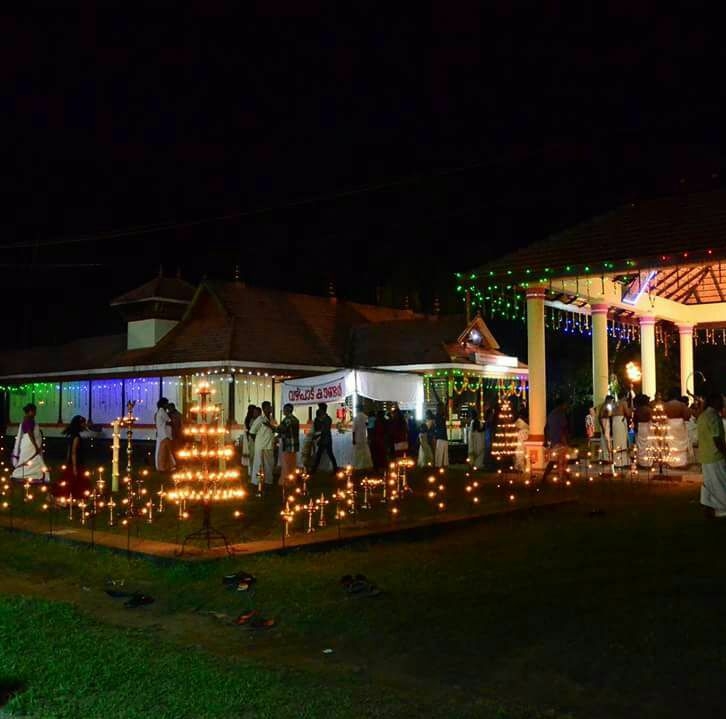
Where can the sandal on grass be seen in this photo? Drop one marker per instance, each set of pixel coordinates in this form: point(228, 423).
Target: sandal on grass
point(138, 600)
point(237, 577)
point(261, 623)
point(244, 618)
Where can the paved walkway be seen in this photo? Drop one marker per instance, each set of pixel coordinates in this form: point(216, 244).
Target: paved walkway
point(328, 537)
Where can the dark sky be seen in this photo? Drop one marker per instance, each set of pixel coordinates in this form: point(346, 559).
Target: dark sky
point(367, 148)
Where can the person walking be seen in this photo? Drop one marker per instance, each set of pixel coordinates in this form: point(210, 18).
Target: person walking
point(177, 430)
point(322, 426)
point(289, 433)
point(163, 457)
point(441, 437)
point(27, 457)
point(476, 446)
point(74, 481)
point(362, 458)
point(712, 453)
point(399, 432)
point(263, 433)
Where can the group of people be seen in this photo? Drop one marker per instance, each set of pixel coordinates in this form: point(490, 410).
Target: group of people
point(482, 432)
point(622, 417)
point(258, 439)
point(29, 463)
point(169, 439)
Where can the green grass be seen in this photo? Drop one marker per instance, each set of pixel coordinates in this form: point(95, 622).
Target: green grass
point(561, 613)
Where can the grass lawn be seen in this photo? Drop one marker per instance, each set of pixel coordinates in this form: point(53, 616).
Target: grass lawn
point(563, 613)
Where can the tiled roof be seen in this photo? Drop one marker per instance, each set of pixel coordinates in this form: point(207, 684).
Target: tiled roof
point(665, 231)
point(82, 354)
point(431, 340)
point(419, 341)
point(226, 322)
point(168, 288)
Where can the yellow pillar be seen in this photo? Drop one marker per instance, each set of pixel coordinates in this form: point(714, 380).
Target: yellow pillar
point(686, 336)
point(647, 354)
point(537, 375)
point(600, 367)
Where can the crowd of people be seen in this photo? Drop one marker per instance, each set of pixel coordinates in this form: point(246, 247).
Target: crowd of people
point(483, 430)
point(625, 422)
point(376, 439)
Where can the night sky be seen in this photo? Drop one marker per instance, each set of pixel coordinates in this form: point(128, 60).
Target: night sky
point(365, 148)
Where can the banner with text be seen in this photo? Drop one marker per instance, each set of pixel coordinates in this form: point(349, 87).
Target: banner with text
point(324, 388)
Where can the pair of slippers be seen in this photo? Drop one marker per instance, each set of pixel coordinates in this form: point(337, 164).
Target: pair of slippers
point(253, 620)
point(359, 586)
point(239, 581)
point(133, 599)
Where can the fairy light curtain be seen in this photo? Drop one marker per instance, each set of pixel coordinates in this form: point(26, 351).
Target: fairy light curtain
point(46, 397)
point(19, 397)
point(145, 391)
point(75, 400)
point(106, 400)
point(173, 389)
point(251, 390)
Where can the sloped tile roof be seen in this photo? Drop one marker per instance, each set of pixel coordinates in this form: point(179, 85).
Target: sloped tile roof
point(227, 321)
point(81, 354)
point(649, 233)
point(168, 288)
point(418, 341)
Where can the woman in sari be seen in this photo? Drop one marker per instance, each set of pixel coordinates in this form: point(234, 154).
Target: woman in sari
point(425, 450)
point(476, 441)
point(75, 481)
point(28, 450)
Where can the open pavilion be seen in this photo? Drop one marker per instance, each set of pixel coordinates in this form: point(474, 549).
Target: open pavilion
point(648, 271)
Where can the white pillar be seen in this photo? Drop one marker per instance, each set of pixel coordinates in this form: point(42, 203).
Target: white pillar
point(647, 354)
point(687, 378)
point(537, 375)
point(600, 367)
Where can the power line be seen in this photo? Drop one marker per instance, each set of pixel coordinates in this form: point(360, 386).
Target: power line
point(139, 230)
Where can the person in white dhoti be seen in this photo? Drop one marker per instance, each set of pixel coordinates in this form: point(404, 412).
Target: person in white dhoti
point(263, 432)
point(605, 420)
point(679, 446)
point(164, 456)
point(476, 441)
point(361, 450)
point(441, 437)
point(712, 452)
point(642, 416)
point(520, 452)
point(27, 457)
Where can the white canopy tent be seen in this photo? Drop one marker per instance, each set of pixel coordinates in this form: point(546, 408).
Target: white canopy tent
point(404, 388)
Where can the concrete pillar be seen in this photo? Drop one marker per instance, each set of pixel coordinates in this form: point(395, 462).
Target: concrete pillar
point(537, 375)
point(687, 378)
point(647, 354)
point(600, 367)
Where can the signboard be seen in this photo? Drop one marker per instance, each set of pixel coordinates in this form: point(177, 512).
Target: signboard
point(329, 391)
point(494, 359)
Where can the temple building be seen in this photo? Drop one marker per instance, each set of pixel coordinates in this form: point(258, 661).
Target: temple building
point(246, 341)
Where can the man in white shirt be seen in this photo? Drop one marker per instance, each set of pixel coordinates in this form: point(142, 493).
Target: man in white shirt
point(361, 451)
point(262, 430)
